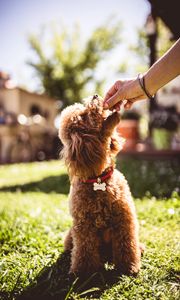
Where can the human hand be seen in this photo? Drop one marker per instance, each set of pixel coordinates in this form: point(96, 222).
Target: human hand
point(124, 92)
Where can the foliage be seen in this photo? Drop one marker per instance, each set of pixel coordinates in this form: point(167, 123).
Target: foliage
point(66, 70)
point(164, 38)
point(33, 222)
point(141, 49)
point(154, 177)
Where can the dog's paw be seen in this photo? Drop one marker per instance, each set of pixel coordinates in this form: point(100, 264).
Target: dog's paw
point(129, 270)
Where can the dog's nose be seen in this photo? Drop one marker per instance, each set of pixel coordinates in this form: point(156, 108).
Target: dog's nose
point(95, 96)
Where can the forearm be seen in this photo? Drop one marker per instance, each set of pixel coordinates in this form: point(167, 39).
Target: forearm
point(164, 70)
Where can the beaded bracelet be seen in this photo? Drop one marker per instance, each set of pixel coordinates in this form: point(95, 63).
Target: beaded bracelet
point(141, 80)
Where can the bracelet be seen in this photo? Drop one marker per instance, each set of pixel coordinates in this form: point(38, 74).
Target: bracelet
point(141, 80)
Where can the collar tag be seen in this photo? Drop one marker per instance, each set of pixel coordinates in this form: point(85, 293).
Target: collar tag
point(99, 185)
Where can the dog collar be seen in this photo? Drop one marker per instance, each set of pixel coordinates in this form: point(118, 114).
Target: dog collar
point(99, 181)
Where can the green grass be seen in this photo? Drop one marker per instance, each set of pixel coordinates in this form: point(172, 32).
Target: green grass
point(33, 221)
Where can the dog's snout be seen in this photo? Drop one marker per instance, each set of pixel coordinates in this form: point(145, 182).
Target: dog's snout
point(95, 96)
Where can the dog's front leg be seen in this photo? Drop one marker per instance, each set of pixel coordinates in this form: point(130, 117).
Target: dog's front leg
point(125, 243)
point(85, 256)
point(126, 252)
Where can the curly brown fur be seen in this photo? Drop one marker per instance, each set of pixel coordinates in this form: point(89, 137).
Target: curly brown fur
point(101, 219)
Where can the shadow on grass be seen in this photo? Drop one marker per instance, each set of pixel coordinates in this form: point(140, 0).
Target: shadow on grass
point(54, 283)
point(59, 184)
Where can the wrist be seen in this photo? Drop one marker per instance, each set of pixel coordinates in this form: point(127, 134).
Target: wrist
point(141, 82)
point(150, 85)
point(138, 89)
point(134, 89)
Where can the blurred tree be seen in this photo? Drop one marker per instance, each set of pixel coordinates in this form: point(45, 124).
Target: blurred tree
point(164, 41)
point(142, 51)
point(69, 66)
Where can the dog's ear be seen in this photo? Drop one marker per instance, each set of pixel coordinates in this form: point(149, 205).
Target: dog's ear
point(116, 144)
point(85, 149)
point(85, 154)
point(75, 146)
point(110, 123)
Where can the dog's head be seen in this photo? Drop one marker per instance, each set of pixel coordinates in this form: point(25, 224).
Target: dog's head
point(88, 137)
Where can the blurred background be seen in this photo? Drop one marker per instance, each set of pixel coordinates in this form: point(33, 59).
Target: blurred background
point(54, 53)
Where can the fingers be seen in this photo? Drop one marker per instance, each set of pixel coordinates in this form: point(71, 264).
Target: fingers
point(113, 100)
point(117, 107)
point(111, 92)
point(128, 104)
point(123, 92)
point(114, 96)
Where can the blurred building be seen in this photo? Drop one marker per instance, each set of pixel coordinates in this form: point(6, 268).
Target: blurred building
point(18, 101)
point(27, 130)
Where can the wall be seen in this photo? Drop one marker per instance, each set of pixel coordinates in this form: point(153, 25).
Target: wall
point(10, 99)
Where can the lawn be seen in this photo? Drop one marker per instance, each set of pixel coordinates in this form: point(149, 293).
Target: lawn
point(34, 219)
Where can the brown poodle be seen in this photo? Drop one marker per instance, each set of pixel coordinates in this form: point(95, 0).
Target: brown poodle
point(104, 217)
